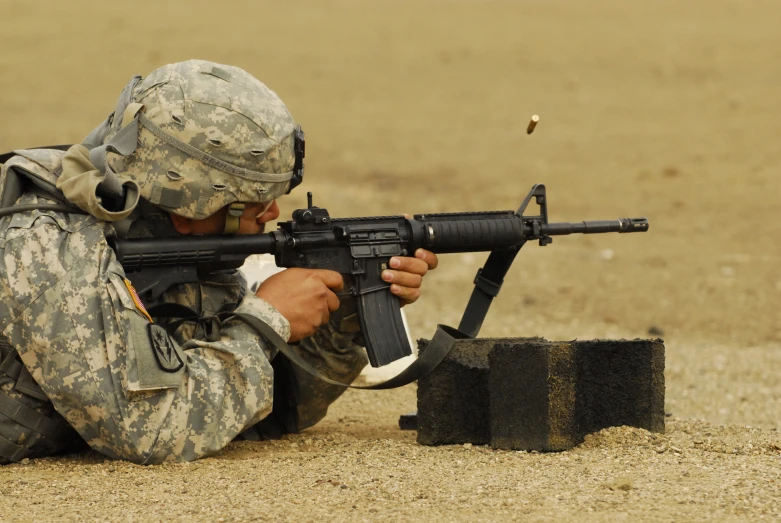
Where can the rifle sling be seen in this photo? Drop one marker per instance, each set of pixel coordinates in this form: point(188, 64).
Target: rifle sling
point(487, 284)
point(435, 352)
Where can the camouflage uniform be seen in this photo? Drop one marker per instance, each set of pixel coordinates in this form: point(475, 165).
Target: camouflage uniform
point(137, 390)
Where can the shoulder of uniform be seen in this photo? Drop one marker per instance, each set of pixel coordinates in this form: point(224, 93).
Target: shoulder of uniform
point(40, 162)
point(41, 248)
point(31, 224)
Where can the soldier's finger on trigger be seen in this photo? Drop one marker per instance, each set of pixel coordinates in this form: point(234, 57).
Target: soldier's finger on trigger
point(332, 301)
point(332, 279)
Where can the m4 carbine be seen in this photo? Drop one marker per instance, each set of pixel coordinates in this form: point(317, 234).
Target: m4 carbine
point(359, 249)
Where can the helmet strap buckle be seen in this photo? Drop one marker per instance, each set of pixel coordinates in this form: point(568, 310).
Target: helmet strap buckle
point(233, 218)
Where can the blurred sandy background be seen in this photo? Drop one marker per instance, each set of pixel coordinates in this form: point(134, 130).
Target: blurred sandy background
point(666, 109)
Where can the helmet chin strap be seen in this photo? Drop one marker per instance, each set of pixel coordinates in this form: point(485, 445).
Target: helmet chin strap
point(233, 218)
point(235, 212)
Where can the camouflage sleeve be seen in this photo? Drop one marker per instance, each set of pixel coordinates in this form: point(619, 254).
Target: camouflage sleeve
point(336, 350)
point(220, 293)
point(128, 388)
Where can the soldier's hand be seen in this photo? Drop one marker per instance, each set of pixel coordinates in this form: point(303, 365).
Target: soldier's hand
point(406, 274)
point(305, 297)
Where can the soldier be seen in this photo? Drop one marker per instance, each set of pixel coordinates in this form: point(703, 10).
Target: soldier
point(194, 148)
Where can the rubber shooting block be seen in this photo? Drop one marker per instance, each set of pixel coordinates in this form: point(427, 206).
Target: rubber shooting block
point(453, 398)
point(453, 406)
point(547, 396)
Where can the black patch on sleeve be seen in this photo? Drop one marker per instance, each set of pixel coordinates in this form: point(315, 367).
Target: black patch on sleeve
point(163, 347)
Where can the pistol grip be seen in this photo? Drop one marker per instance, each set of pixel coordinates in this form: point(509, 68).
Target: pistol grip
point(383, 328)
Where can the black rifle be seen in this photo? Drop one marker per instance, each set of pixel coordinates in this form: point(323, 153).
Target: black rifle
point(359, 249)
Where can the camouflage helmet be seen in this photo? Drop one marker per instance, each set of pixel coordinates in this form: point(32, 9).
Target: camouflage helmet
point(197, 136)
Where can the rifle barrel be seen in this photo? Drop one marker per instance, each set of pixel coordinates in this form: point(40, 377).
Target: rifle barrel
point(595, 226)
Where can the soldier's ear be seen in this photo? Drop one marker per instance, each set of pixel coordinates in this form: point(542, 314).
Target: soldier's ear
point(182, 224)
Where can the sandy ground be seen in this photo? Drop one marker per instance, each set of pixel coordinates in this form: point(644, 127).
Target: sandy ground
point(665, 109)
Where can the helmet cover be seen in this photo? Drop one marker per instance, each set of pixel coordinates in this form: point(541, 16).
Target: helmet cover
point(209, 135)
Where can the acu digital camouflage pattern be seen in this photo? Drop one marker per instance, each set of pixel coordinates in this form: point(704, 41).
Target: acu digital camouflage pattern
point(29, 425)
point(218, 110)
point(65, 309)
point(39, 163)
